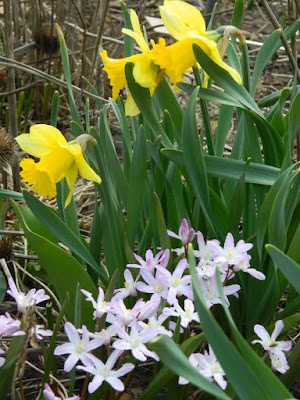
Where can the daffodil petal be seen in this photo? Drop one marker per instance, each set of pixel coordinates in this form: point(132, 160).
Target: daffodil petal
point(57, 163)
point(178, 57)
point(145, 71)
point(85, 170)
point(140, 41)
point(136, 32)
point(36, 175)
point(131, 109)
point(182, 19)
point(41, 140)
point(71, 177)
point(116, 71)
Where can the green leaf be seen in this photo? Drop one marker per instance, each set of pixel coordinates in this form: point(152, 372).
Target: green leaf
point(224, 79)
point(193, 157)
point(8, 369)
point(168, 101)
point(212, 95)
point(242, 377)
point(170, 354)
point(266, 208)
point(238, 13)
point(294, 126)
point(229, 168)
point(10, 194)
point(63, 270)
point(54, 108)
point(60, 230)
point(66, 67)
point(137, 183)
point(3, 286)
point(128, 41)
point(237, 202)
point(263, 56)
point(161, 225)
point(286, 265)
point(277, 223)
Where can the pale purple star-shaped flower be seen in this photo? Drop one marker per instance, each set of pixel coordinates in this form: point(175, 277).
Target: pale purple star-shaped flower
point(187, 314)
point(230, 253)
point(136, 340)
point(176, 283)
point(26, 300)
point(204, 252)
point(49, 394)
point(78, 348)
point(105, 335)
point(156, 323)
point(244, 266)
point(40, 332)
point(152, 285)
point(279, 363)
point(123, 315)
point(129, 288)
point(273, 347)
point(104, 372)
point(101, 306)
point(9, 326)
point(185, 234)
point(151, 261)
point(208, 366)
point(150, 308)
point(211, 294)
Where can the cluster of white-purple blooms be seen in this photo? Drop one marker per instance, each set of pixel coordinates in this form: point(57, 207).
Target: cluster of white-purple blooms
point(128, 330)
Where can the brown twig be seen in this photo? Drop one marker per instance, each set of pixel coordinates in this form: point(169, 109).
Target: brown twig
point(22, 89)
point(7, 62)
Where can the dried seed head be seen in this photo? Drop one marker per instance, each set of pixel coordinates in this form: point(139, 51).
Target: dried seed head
point(8, 149)
point(6, 248)
point(47, 39)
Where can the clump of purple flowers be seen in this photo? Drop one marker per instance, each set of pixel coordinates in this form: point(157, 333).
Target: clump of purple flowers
point(159, 295)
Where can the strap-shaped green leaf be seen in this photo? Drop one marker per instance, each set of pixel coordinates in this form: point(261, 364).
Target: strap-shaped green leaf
point(63, 270)
point(286, 265)
point(60, 230)
point(224, 79)
point(229, 168)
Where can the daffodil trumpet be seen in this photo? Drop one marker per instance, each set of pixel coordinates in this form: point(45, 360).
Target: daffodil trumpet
point(59, 159)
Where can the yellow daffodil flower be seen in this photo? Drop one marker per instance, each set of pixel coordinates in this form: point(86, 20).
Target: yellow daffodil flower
point(144, 72)
point(182, 20)
point(186, 24)
point(58, 159)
